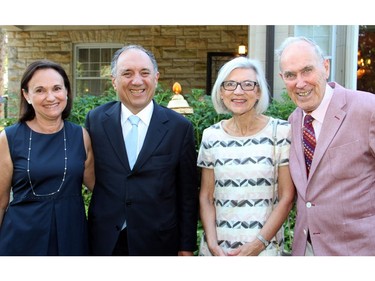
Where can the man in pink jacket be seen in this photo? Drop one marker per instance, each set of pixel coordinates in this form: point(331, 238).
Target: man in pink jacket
point(336, 201)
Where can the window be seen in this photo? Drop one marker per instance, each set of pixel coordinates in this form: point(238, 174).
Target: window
point(323, 35)
point(92, 68)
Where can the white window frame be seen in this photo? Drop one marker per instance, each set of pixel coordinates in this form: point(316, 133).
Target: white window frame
point(78, 47)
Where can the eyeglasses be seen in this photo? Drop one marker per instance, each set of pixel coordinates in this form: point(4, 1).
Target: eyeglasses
point(247, 85)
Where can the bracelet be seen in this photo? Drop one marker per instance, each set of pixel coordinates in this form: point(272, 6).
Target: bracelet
point(264, 241)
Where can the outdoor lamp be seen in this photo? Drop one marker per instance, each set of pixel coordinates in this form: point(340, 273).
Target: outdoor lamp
point(178, 103)
point(242, 49)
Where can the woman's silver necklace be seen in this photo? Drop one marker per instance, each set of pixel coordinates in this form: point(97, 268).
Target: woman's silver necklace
point(65, 166)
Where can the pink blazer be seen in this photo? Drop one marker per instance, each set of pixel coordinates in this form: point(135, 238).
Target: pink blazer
point(337, 203)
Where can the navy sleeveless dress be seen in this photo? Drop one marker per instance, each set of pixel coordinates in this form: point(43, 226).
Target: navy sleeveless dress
point(45, 224)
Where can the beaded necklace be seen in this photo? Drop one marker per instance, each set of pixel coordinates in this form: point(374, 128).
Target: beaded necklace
point(28, 167)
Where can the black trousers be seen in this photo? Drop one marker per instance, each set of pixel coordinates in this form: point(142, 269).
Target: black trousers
point(121, 248)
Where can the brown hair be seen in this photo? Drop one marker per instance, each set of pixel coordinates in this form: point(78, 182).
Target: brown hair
point(27, 112)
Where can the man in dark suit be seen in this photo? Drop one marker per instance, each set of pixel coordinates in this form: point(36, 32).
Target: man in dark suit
point(150, 209)
point(335, 203)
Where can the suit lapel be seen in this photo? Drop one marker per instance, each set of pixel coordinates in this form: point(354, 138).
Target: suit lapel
point(113, 131)
point(332, 122)
point(155, 134)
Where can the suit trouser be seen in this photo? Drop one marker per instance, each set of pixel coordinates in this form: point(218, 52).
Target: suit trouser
point(121, 248)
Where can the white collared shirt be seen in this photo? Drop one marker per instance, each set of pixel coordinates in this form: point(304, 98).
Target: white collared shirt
point(145, 118)
point(321, 111)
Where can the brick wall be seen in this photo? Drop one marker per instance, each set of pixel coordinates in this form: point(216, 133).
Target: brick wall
point(181, 51)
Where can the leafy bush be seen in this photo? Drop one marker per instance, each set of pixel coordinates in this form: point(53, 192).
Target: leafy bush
point(281, 109)
point(82, 104)
point(204, 113)
point(5, 122)
point(289, 230)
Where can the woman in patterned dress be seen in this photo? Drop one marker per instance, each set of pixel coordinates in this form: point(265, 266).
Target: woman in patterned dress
point(246, 189)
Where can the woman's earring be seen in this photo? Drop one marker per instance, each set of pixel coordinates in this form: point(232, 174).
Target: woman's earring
point(29, 101)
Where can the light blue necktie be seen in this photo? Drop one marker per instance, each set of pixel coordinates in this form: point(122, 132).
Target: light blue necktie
point(131, 140)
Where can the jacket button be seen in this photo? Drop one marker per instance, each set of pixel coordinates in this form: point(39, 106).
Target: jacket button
point(308, 204)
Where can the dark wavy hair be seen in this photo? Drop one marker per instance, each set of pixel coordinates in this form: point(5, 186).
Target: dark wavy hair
point(27, 111)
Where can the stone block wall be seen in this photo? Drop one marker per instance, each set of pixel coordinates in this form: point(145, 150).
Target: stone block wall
point(181, 51)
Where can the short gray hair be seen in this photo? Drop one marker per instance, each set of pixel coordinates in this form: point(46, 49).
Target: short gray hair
point(125, 48)
point(290, 40)
point(226, 69)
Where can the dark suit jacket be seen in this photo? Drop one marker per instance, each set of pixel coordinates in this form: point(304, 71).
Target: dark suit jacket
point(336, 204)
point(158, 198)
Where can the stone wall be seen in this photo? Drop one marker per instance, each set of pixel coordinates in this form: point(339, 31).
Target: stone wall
point(181, 51)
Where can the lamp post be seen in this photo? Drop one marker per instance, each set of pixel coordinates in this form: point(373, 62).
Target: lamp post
point(178, 103)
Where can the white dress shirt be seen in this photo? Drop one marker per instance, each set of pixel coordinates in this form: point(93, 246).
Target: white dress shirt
point(145, 118)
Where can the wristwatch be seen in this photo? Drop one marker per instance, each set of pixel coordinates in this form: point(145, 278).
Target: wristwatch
point(264, 241)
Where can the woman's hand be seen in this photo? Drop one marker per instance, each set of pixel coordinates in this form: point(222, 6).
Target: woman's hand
point(216, 250)
point(253, 248)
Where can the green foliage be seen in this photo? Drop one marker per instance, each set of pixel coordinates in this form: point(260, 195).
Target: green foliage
point(5, 122)
point(281, 109)
point(204, 113)
point(86, 194)
point(82, 104)
point(289, 230)
point(162, 96)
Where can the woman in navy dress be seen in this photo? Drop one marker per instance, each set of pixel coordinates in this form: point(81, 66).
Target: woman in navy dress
point(44, 161)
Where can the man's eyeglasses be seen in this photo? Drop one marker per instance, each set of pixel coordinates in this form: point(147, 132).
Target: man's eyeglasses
point(247, 85)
